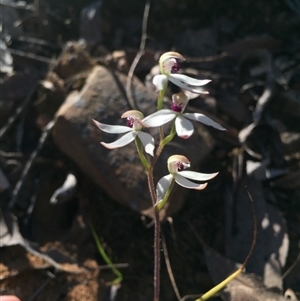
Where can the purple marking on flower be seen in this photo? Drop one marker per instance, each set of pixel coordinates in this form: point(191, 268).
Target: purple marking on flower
point(130, 121)
point(177, 107)
point(175, 68)
point(180, 166)
point(176, 166)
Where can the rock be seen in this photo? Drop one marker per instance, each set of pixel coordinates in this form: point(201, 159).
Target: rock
point(72, 61)
point(118, 171)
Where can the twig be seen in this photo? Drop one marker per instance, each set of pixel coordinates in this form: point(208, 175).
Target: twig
point(17, 113)
point(138, 56)
point(291, 267)
point(189, 297)
point(30, 56)
point(169, 268)
point(116, 265)
point(38, 42)
point(29, 164)
point(41, 287)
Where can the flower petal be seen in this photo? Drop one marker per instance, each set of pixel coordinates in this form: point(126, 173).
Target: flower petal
point(134, 113)
point(189, 80)
point(112, 129)
point(163, 186)
point(124, 140)
point(158, 118)
point(159, 81)
point(188, 83)
point(169, 55)
point(180, 180)
point(148, 142)
point(204, 119)
point(193, 175)
point(184, 128)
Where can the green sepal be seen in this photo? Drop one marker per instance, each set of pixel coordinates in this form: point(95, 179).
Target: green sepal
point(169, 138)
point(159, 205)
point(140, 149)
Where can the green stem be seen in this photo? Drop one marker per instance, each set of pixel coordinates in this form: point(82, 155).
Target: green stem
point(105, 257)
point(221, 285)
point(161, 97)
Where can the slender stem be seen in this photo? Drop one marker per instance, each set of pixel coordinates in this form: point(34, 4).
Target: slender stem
point(161, 95)
point(151, 186)
point(156, 255)
point(156, 278)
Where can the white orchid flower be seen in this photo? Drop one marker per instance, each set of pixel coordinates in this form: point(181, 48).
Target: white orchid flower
point(132, 130)
point(176, 166)
point(184, 128)
point(169, 65)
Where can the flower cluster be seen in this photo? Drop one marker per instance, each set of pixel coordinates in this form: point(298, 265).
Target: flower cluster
point(181, 125)
point(184, 128)
point(176, 167)
point(169, 65)
point(133, 130)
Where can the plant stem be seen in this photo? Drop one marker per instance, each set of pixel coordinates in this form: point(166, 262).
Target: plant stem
point(156, 279)
point(151, 186)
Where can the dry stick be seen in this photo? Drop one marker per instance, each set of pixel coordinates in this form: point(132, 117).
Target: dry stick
point(29, 164)
point(288, 271)
point(4, 130)
point(169, 268)
point(138, 56)
point(32, 56)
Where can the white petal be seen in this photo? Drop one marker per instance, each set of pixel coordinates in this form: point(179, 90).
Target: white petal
point(158, 118)
point(148, 142)
point(197, 175)
point(204, 119)
point(187, 183)
point(189, 80)
point(162, 186)
point(159, 81)
point(188, 83)
point(184, 128)
point(124, 140)
point(184, 86)
point(112, 129)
